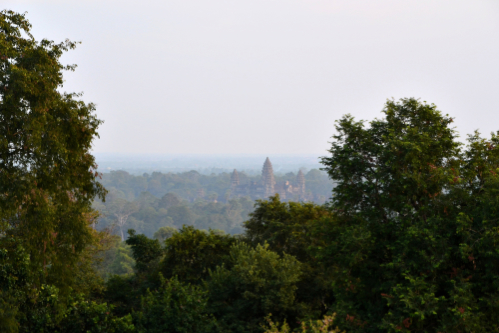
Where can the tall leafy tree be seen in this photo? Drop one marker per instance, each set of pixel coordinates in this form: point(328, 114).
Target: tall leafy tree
point(168, 200)
point(146, 251)
point(283, 225)
point(285, 228)
point(190, 253)
point(164, 233)
point(251, 284)
point(412, 245)
point(175, 307)
point(47, 174)
point(122, 209)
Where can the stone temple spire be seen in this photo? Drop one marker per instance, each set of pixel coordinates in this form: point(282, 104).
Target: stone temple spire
point(300, 184)
point(234, 179)
point(268, 179)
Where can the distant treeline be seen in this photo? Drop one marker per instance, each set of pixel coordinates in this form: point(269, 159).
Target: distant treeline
point(192, 185)
point(137, 163)
point(149, 202)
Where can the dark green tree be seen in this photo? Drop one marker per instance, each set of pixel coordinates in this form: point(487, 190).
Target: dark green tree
point(15, 277)
point(145, 251)
point(117, 259)
point(164, 233)
point(81, 315)
point(411, 245)
point(190, 253)
point(252, 284)
point(47, 174)
point(174, 307)
point(286, 228)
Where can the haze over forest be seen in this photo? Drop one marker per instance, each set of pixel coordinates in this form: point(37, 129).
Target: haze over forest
point(204, 163)
point(190, 197)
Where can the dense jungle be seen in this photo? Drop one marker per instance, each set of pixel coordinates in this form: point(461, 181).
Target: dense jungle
point(407, 242)
point(147, 203)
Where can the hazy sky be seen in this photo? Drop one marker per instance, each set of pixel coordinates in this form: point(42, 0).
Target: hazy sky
point(269, 76)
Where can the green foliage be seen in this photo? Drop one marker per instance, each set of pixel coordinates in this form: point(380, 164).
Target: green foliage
point(49, 248)
point(44, 312)
point(409, 242)
point(190, 253)
point(190, 198)
point(253, 283)
point(123, 262)
point(14, 283)
point(116, 259)
point(285, 227)
point(168, 200)
point(8, 313)
point(174, 307)
point(318, 326)
point(147, 215)
point(182, 215)
point(412, 243)
point(121, 291)
point(48, 178)
point(80, 315)
point(89, 316)
point(145, 251)
point(26, 307)
point(164, 233)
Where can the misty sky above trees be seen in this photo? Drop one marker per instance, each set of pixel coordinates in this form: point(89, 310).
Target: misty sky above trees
point(269, 76)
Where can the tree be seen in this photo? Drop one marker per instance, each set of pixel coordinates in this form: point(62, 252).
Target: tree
point(168, 200)
point(181, 215)
point(283, 225)
point(47, 174)
point(286, 227)
point(318, 326)
point(411, 243)
point(122, 209)
point(145, 251)
point(117, 258)
point(15, 276)
point(164, 233)
point(174, 307)
point(190, 253)
point(253, 283)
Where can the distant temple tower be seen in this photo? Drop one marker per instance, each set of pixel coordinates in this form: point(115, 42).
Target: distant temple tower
point(268, 187)
point(234, 180)
point(268, 179)
point(300, 184)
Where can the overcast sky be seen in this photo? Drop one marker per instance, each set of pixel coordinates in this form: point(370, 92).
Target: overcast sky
point(269, 76)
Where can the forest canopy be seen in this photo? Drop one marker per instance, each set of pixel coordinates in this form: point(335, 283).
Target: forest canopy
point(149, 202)
point(408, 241)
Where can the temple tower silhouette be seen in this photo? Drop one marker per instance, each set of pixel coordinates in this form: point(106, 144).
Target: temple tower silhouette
point(234, 179)
point(268, 179)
